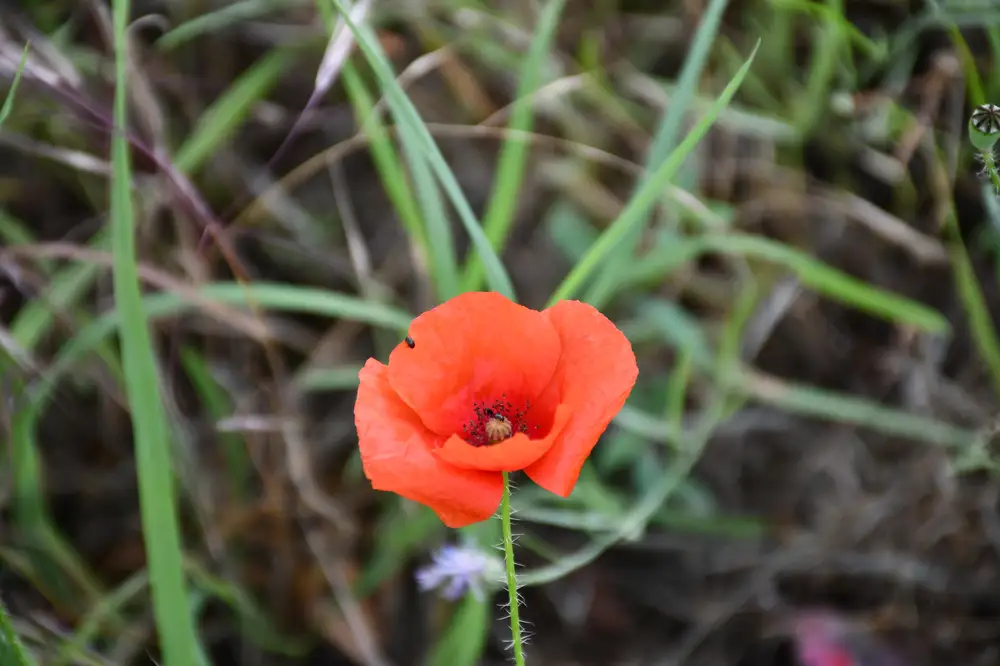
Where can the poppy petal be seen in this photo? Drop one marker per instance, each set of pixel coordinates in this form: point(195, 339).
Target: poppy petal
point(475, 346)
point(396, 456)
point(509, 455)
point(595, 375)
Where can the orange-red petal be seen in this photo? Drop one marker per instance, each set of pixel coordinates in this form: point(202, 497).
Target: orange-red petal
point(396, 456)
point(476, 346)
point(509, 455)
point(595, 375)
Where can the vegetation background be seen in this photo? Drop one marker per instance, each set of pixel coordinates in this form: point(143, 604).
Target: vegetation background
point(805, 263)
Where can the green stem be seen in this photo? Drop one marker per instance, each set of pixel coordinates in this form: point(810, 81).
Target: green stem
point(990, 166)
point(508, 551)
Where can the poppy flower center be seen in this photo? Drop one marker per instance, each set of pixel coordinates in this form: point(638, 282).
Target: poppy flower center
point(493, 422)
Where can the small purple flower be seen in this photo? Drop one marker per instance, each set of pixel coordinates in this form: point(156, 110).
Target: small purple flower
point(458, 569)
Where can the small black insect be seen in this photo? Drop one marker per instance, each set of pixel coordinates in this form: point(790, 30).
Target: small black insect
point(410, 343)
point(986, 118)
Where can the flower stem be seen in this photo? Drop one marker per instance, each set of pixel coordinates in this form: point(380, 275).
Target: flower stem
point(990, 167)
point(508, 551)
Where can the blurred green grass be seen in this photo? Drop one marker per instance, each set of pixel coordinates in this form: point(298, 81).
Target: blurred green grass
point(620, 266)
point(11, 649)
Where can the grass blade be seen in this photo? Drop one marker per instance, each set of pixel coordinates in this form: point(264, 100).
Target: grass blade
point(422, 215)
point(444, 264)
point(977, 310)
point(8, 102)
point(676, 474)
point(178, 640)
point(226, 17)
point(223, 117)
point(11, 650)
point(499, 214)
point(666, 137)
point(651, 188)
point(239, 467)
point(275, 296)
point(391, 172)
point(810, 401)
point(410, 122)
point(31, 512)
point(813, 273)
point(463, 642)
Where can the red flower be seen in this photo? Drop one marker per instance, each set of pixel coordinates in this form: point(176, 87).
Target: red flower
point(483, 386)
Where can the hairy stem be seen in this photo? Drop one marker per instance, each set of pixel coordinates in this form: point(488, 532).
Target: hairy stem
point(508, 551)
point(990, 167)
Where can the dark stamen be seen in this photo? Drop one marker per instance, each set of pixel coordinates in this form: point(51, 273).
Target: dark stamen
point(496, 421)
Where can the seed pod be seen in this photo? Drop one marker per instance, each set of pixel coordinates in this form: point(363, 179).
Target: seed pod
point(984, 126)
point(986, 118)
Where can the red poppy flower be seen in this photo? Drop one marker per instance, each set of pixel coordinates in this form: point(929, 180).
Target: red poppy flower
point(483, 385)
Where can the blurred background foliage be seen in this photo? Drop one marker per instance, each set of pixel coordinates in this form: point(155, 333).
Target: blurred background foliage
point(811, 290)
